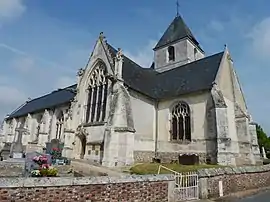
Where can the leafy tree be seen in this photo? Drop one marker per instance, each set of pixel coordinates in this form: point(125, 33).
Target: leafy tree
point(263, 139)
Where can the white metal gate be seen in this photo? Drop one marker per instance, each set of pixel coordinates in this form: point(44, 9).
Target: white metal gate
point(186, 185)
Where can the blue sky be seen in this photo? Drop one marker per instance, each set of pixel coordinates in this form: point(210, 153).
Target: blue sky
point(44, 42)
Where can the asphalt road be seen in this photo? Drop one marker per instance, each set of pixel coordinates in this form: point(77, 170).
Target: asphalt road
point(262, 197)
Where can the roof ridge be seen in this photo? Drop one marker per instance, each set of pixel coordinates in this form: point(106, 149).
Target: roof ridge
point(54, 91)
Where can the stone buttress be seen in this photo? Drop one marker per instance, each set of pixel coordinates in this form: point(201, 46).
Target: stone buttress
point(225, 147)
point(119, 134)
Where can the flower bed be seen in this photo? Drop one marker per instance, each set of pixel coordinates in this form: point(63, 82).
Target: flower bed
point(44, 168)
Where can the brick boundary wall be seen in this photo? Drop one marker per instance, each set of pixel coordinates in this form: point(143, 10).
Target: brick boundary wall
point(148, 188)
point(233, 180)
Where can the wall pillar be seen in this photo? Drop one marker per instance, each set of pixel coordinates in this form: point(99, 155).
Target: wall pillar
point(254, 143)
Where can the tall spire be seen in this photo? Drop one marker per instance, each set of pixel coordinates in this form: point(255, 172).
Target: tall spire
point(177, 8)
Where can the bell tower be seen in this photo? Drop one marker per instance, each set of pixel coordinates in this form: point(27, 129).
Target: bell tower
point(177, 47)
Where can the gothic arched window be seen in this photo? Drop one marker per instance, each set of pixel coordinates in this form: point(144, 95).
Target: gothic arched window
point(181, 129)
point(97, 95)
point(171, 53)
point(59, 125)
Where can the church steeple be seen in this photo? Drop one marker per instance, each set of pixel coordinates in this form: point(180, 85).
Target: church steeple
point(176, 31)
point(177, 46)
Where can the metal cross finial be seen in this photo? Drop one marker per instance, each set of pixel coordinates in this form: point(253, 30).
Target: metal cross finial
point(177, 8)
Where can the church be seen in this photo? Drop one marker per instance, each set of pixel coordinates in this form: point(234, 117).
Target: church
point(119, 113)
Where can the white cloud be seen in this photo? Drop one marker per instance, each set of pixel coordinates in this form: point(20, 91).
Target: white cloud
point(143, 56)
point(216, 26)
point(10, 9)
point(23, 64)
point(260, 39)
point(65, 81)
point(11, 95)
point(10, 98)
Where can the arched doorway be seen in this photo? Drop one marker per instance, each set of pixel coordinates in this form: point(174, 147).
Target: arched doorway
point(83, 145)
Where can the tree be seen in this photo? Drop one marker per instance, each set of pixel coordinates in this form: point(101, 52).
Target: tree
point(263, 139)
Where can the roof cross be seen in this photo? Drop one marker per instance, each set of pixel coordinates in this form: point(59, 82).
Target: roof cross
point(177, 8)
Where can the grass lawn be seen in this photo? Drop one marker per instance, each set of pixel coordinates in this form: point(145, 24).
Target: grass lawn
point(152, 168)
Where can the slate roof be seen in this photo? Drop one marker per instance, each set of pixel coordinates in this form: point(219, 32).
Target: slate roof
point(192, 77)
point(176, 31)
point(56, 98)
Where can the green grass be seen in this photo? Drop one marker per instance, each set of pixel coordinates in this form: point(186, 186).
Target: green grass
point(152, 168)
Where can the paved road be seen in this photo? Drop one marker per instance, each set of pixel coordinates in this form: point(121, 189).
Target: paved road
point(262, 197)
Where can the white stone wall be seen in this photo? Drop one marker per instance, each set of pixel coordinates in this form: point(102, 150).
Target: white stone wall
point(144, 121)
point(199, 131)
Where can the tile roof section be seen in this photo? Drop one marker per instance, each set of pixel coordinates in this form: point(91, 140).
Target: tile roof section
point(177, 30)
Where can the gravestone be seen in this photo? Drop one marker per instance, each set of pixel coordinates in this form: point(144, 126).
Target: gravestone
point(188, 159)
point(16, 150)
point(56, 158)
point(30, 164)
point(55, 143)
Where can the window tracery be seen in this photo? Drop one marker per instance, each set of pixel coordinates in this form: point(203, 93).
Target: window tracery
point(181, 125)
point(97, 95)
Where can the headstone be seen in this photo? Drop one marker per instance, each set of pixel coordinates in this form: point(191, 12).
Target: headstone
point(17, 147)
point(55, 143)
point(188, 159)
point(263, 153)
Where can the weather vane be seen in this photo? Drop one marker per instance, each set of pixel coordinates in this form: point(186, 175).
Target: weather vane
point(177, 8)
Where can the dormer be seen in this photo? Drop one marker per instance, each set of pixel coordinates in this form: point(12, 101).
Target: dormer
point(176, 47)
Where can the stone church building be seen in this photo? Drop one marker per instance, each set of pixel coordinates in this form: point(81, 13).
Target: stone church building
point(185, 104)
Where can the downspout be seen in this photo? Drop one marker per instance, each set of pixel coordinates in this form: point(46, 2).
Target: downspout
point(156, 128)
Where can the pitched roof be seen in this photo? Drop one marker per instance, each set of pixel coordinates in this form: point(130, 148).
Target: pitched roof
point(56, 98)
point(192, 77)
point(177, 30)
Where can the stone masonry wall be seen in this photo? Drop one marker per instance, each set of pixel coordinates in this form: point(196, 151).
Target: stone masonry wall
point(128, 188)
point(233, 180)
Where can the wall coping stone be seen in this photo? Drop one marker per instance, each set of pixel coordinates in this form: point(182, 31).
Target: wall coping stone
point(78, 181)
point(211, 172)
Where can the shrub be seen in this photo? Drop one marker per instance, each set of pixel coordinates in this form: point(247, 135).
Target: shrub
point(45, 169)
point(266, 161)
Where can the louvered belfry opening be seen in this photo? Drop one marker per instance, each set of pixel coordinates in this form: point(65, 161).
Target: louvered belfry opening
point(97, 95)
point(181, 129)
point(171, 53)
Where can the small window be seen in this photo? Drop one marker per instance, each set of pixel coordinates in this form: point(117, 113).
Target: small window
point(171, 53)
point(89, 152)
point(96, 152)
point(93, 147)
